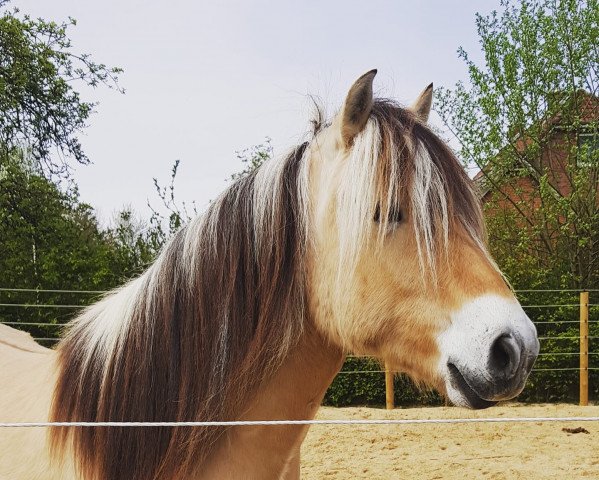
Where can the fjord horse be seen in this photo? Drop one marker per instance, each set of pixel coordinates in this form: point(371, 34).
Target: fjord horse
point(368, 238)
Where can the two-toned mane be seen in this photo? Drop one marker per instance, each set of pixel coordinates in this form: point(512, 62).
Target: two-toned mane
point(196, 335)
point(367, 239)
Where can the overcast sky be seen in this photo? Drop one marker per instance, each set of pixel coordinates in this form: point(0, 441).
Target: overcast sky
point(204, 79)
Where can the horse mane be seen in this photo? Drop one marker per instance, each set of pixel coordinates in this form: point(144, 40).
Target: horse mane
point(210, 320)
point(196, 335)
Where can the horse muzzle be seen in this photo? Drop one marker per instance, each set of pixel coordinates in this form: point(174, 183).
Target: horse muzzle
point(488, 352)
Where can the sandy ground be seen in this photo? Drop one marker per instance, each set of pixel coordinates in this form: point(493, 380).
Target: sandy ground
point(453, 451)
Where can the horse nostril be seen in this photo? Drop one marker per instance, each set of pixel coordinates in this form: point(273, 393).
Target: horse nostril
point(505, 356)
point(500, 354)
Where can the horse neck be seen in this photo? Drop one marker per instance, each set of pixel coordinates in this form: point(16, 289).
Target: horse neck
point(294, 393)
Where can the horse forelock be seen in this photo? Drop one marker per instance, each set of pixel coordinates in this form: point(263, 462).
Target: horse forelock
point(397, 162)
point(193, 337)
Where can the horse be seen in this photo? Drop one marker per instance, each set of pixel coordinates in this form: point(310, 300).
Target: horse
point(366, 239)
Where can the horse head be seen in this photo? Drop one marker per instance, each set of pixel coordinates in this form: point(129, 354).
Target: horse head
point(398, 266)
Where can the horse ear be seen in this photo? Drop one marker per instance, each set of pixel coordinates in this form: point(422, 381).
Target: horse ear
point(422, 106)
point(357, 107)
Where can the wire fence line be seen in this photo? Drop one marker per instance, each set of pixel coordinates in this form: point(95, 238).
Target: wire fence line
point(570, 305)
point(365, 356)
point(45, 290)
point(569, 290)
point(42, 290)
point(540, 354)
point(41, 324)
point(564, 353)
point(39, 305)
point(249, 423)
point(566, 338)
point(577, 322)
point(35, 324)
point(350, 372)
point(51, 305)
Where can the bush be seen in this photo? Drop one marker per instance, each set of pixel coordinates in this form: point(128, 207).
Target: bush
point(364, 388)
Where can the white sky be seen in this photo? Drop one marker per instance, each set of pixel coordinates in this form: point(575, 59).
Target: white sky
point(205, 79)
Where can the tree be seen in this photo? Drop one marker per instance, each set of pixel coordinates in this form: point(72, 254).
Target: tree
point(163, 225)
point(253, 157)
point(50, 240)
point(529, 120)
point(39, 108)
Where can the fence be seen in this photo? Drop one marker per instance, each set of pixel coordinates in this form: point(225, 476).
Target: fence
point(79, 299)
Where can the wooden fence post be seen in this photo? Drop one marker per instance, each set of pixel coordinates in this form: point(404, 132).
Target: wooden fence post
point(389, 392)
point(584, 348)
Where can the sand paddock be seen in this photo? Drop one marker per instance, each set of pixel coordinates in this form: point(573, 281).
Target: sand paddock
point(453, 451)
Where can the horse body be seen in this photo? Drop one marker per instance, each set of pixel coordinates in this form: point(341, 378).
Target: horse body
point(367, 239)
point(27, 375)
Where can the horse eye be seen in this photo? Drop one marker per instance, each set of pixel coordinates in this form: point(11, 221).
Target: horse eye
point(395, 215)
